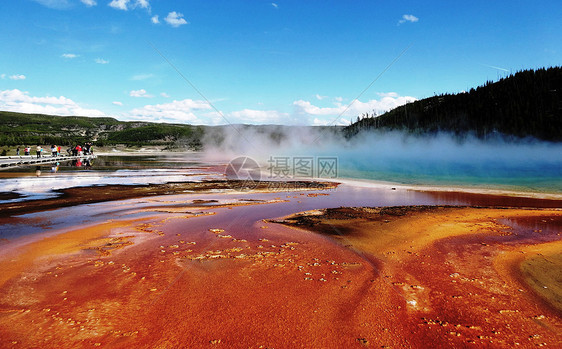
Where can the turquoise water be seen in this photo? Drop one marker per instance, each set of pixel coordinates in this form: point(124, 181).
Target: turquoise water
point(442, 160)
point(535, 176)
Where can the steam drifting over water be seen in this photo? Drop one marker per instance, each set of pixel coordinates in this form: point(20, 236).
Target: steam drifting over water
point(440, 159)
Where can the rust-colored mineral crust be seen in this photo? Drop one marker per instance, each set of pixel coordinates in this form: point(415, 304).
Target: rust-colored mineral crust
point(397, 277)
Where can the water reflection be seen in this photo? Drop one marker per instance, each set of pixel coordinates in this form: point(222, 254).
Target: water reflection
point(533, 229)
point(85, 163)
point(42, 181)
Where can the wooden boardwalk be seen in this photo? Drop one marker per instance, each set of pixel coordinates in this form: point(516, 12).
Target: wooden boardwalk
point(29, 160)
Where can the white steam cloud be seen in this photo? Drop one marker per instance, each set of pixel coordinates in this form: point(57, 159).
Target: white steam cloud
point(398, 157)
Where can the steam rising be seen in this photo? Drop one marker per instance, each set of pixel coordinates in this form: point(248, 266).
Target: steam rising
point(398, 157)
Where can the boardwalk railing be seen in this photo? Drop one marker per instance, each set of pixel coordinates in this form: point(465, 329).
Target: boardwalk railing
point(26, 160)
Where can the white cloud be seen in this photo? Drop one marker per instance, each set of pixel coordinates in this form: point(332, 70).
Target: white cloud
point(275, 5)
point(117, 103)
point(139, 77)
point(408, 18)
point(174, 112)
point(19, 101)
point(201, 113)
point(140, 94)
point(3, 76)
point(69, 55)
point(126, 5)
point(155, 19)
point(305, 107)
point(303, 112)
point(142, 4)
point(101, 61)
point(338, 99)
point(17, 77)
point(89, 3)
point(320, 97)
point(175, 19)
point(325, 115)
point(119, 4)
point(251, 116)
point(326, 122)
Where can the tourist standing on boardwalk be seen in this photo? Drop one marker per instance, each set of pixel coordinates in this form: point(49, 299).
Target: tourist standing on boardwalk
point(53, 150)
point(39, 150)
point(26, 150)
point(88, 148)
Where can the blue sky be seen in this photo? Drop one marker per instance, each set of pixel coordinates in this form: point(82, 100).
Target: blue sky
point(283, 62)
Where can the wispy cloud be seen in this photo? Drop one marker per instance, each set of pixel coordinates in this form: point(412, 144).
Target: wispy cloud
point(89, 3)
point(276, 6)
point(2, 76)
point(175, 19)
point(17, 77)
point(154, 19)
point(20, 101)
point(140, 94)
point(320, 97)
point(117, 103)
point(54, 4)
point(142, 4)
point(388, 94)
point(165, 95)
point(140, 77)
point(408, 18)
point(69, 55)
point(101, 61)
point(494, 67)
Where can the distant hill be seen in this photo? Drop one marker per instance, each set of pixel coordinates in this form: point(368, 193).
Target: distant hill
point(525, 104)
point(28, 129)
point(20, 129)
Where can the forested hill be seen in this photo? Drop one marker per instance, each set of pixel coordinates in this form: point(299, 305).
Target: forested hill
point(526, 104)
point(22, 129)
point(18, 129)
